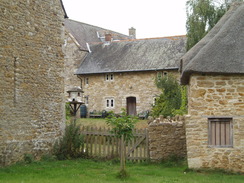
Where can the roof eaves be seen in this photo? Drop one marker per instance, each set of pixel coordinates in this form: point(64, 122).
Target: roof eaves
point(119, 71)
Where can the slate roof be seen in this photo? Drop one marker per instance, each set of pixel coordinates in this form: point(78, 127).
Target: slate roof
point(221, 50)
point(134, 55)
point(85, 33)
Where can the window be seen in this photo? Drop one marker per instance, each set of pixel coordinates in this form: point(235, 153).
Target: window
point(154, 100)
point(159, 75)
point(220, 132)
point(109, 77)
point(110, 103)
point(86, 81)
point(87, 100)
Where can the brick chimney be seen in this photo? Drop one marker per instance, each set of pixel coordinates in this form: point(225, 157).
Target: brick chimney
point(108, 37)
point(132, 33)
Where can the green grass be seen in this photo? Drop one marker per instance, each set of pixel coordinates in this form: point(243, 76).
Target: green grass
point(100, 122)
point(88, 171)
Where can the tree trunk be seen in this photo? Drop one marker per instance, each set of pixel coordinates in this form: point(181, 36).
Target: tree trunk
point(122, 154)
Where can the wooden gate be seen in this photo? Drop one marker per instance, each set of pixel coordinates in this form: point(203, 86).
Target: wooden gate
point(99, 142)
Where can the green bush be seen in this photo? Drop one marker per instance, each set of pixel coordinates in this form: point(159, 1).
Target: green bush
point(172, 100)
point(122, 125)
point(69, 146)
point(68, 112)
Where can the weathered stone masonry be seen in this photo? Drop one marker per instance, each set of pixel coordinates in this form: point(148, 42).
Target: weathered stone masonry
point(215, 96)
point(167, 138)
point(31, 84)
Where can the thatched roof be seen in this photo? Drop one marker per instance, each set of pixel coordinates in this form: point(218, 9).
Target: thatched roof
point(85, 33)
point(134, 55)
point(221, 51)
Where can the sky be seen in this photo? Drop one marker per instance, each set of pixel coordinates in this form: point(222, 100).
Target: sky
point(150, 18)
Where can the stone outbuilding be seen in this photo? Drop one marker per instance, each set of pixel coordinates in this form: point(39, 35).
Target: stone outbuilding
point(121, 74)
point(214, 72)
point(31, 78)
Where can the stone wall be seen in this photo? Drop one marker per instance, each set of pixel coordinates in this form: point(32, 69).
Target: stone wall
point(73, 58)
point(128, 84)
point(167, 138)
point(215, 96)
point(31, 72)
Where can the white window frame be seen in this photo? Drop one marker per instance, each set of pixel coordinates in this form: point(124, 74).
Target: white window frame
point(109, 103)
point(109, 77)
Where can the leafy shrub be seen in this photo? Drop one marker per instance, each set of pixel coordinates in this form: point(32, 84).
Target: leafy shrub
point(122, 125)
point(69, 146)
point(172, 100)
point(67, 111)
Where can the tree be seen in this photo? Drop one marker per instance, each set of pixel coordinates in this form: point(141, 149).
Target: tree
point(122, 127)
point(172, 100)
point(202, 15)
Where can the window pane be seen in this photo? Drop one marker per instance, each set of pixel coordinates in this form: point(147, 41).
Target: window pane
point(112, 77)
point(112, 102)
point(107, 103)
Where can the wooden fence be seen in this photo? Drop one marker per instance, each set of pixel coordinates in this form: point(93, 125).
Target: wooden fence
point(99, 142)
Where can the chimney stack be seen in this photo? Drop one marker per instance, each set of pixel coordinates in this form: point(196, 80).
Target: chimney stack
point(132, 33)
point(108, 37)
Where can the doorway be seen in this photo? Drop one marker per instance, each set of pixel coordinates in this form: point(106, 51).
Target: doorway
point(131, 106)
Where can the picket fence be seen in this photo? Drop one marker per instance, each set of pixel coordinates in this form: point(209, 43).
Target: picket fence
point(100, 142)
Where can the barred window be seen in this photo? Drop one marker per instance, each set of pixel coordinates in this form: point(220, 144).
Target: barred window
point(220, 132)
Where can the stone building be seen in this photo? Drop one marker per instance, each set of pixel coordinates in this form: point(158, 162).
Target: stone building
point(31, 72)
point(214, 71)
point(78, 38)
point(121, 74)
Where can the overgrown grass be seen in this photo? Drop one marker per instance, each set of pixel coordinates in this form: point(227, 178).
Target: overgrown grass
point(90, 171)
point(100, 122)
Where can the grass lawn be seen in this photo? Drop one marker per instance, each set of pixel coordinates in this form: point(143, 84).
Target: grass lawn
point(88, 171)
point(100, 122)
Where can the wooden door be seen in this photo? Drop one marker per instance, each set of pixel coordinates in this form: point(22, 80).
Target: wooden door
point(131, 106)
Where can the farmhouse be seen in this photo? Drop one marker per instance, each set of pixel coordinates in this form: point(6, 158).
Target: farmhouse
point(31, 84)
point(214, 71)
point(78, 37)
point(121, 74)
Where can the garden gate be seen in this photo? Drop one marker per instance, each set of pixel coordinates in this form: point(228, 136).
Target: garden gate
point(99, 142)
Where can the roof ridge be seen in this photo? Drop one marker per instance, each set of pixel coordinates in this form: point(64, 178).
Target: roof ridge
point(97, 27)
point(131, 40)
